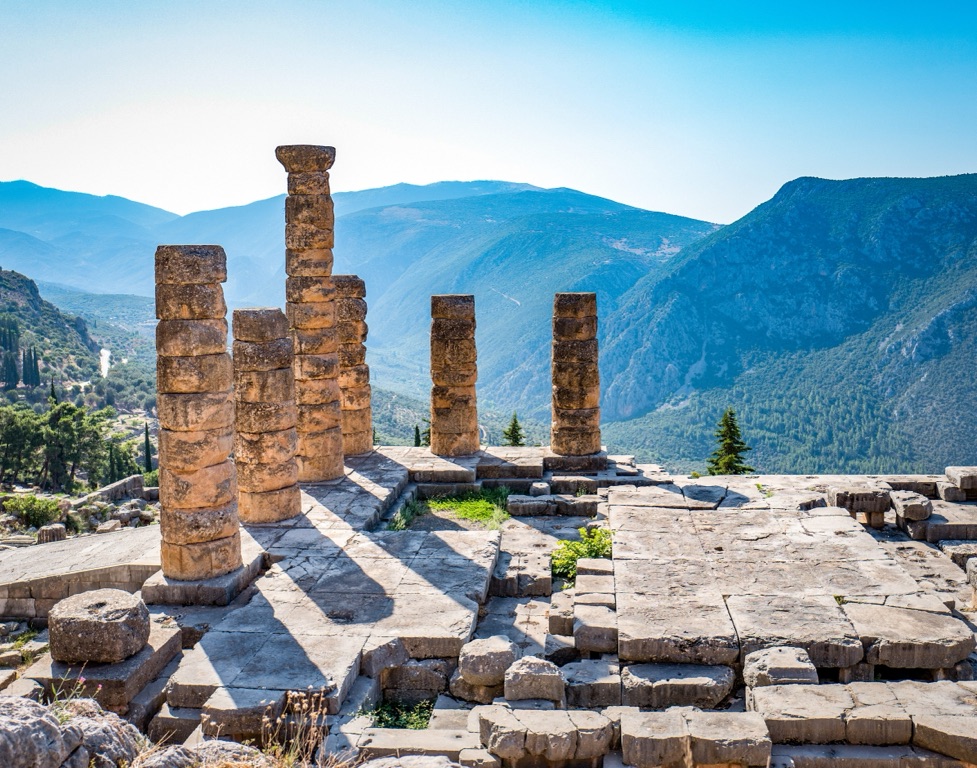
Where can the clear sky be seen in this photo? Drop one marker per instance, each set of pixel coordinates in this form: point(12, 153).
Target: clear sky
point(697, 108)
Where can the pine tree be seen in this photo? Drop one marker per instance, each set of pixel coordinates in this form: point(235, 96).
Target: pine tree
point(728, 456)
point(54, 394)
point(417, 436)
point(147, 450)
point(513, 434)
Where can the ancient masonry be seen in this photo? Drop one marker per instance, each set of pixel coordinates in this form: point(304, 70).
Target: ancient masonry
point(575, 429)
point(265, 416)
point(354, 373)
point(311, 310)
point(454, 370)
point(198, 482)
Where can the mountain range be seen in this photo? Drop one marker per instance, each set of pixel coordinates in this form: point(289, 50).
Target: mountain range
point(837, 318)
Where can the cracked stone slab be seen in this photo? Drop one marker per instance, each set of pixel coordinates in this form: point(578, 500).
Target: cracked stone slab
point(816, 624)
point(901, 637)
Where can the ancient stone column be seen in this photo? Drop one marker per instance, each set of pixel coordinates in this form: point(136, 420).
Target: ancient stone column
point(454, 415)
point(354, 373)
point(575, 430)
point(311, 310)
point(197, 480)
point(265, 417)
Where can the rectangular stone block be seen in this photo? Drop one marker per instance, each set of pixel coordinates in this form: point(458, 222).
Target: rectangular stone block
point(183, 338)
point(195, 412)
point(193, 526)
point(309, 289)
point(308, 183)
point(190, 264)
point(316, 341)
point(453, 306)
point(262, 355)
point(308, 237)
point(177, 301)
point(574, 328)
point(203, 560)
point(194, 374)
point(213, 486)
point(311, 315)
point(265, 416)
point(575, 304)
point(655, 739)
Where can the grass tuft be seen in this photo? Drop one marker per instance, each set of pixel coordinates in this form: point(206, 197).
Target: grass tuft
point(414, 717)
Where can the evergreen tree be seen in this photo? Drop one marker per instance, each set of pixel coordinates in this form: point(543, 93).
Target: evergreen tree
point(727, 459)
point(54, 394)
point(513, 434)
point(147, 450)
point(10, 376)
point(113, 471)
point(417, 436)
point(426, 433)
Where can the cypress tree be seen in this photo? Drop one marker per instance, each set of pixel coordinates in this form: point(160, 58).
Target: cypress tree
point(148, 449)
point(54, 394)
point(513, 434)
point(417, 436)
point(727, 459)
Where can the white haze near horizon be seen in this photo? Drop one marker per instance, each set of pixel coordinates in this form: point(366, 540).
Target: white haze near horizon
point(181, 104)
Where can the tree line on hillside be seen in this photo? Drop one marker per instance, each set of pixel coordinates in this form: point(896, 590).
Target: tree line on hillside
point(16, 365)
point(57, 448)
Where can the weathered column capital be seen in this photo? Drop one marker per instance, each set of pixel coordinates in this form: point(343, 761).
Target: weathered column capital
point(305, 158)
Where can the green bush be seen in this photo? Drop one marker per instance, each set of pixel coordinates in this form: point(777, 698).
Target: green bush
point(151, 479)
point(393, 715)
point(594, 542)
point(33, 510)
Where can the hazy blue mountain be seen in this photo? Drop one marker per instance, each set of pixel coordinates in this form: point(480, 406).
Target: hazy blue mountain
point(838, 318)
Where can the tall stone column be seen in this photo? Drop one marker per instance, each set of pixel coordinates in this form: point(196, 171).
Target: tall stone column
point(454, 371)
point(197, 480)
point(265, 417)
point(311, 310)
point(575, 430)
point(354, 373)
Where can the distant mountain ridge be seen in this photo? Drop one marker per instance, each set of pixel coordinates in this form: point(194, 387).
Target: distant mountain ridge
point(838, 318)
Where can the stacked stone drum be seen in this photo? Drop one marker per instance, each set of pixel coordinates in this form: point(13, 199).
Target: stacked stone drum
point(576, 379)
point(311, 310)
point(454, 371)
point(197, 480)
point(354, 373)
point(265, 417)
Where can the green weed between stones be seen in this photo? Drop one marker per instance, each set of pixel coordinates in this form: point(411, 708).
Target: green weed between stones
point(487, 507)
point(594, 542)
point(414, 717)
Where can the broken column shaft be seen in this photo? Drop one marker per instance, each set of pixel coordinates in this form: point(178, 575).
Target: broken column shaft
point(354, 373)
point(197, 480)
point(454, 415)
point(311, 310)
point(575, 429)
point(265, 417)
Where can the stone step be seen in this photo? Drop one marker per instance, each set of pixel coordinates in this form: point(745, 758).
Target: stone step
point(522, 575)
point(660, 686)
point(173, 725)
point(396, 742)
point(692, 737)
point(858, 756)
point(539, 737)
point(553, 504)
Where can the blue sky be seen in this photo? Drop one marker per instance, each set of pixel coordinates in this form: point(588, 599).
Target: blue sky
point(697, 108)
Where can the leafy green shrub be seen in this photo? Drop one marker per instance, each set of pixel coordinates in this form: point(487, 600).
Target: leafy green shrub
point(594, 542)
point(412, 716)
point(33, 510)
point(74, 523)
point(151, 479)
point(403, 517)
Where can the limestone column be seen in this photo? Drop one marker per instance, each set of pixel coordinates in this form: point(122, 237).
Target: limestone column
point(575, 430)
point(197, 480)
point(354, 373)
point(454, 415)
point(265, 417)
point(311, 310)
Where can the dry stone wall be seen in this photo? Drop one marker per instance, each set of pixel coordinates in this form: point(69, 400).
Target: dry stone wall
point(311, 310)
point(198, 481)
point(264, 391)
point(575, 427)
point(454, 371)
point(354, 373)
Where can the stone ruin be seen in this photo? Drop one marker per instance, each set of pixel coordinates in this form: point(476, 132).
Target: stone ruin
point(741, 621)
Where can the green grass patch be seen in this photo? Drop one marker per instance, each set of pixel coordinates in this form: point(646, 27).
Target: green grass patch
point(403, 517)
point(594, 542)
point(487, 507)
point(414, 717)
